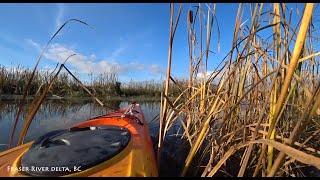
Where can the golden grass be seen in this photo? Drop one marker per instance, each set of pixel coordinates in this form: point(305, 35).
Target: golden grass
point(258, 104)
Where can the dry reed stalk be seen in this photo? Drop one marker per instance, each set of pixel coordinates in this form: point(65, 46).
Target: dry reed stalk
point(201, 135)
point(293, 62)
point(286, 140)
point(25, 93)
point(292, 152)
point(36, 103)
point(242, 97)
point(83, 86)
point(292, 66)
point(276, 29)
point(316, 105)
point(205, 126)
point(191, 68)
point(283, 65)
point(166, 90)
point(167, 81)
point(294, 134)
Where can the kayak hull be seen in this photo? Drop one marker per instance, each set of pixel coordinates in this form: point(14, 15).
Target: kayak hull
point(136, 159)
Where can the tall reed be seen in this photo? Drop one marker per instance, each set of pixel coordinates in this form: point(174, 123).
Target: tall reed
point(248, 113)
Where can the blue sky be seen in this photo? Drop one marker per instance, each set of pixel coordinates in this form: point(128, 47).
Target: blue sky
point(132, 38)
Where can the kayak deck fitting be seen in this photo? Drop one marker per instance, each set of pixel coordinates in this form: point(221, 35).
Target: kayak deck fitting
point(117, 144)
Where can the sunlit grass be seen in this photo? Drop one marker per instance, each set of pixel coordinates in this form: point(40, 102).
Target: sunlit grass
point(263, 105)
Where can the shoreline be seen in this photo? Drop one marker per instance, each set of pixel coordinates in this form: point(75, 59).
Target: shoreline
point(8, 97)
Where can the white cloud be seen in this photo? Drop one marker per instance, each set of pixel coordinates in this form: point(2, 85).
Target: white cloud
point(80, 62)
point(117, 52)
point(156, 69)
point(204, 75)
point(217, 77)
point(210, 74)
point(90, 64)
point(33, 44)
point(93, 57)
point(137, 65)
point(60, 14)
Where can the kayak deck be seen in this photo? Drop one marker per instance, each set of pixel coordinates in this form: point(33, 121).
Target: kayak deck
point(135, 159)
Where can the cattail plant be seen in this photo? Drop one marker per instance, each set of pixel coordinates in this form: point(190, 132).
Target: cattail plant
point(245, 118)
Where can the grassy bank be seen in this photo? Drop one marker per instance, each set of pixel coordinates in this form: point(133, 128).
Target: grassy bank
point(8, 97)
point(13, 80)
point(103, 86)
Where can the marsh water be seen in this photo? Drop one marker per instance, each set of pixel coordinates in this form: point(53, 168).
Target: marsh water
point(60, 114)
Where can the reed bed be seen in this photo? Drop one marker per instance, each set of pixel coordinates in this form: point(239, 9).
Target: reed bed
point(257, 113)
point(12, 81)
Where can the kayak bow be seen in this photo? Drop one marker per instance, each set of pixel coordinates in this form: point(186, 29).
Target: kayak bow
point(116, 144)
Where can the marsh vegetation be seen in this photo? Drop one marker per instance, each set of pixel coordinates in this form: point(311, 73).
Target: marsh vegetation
point(255, 114)
point(262, 120)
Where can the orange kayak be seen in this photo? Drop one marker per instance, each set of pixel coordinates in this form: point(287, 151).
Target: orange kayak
point(116, 144)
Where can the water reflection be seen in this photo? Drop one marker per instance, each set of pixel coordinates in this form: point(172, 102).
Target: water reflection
point(57, 114)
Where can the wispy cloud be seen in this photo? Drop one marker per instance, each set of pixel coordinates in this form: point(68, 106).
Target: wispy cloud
point(117, 52)
point(6, 39)
point(80, 62)
point(156, 69)
point(212, 74)
point(33, 44)
point(60, 15)
point(90, 64)
point(204, 75)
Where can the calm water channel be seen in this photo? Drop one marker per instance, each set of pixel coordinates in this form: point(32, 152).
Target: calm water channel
point(59, 114)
